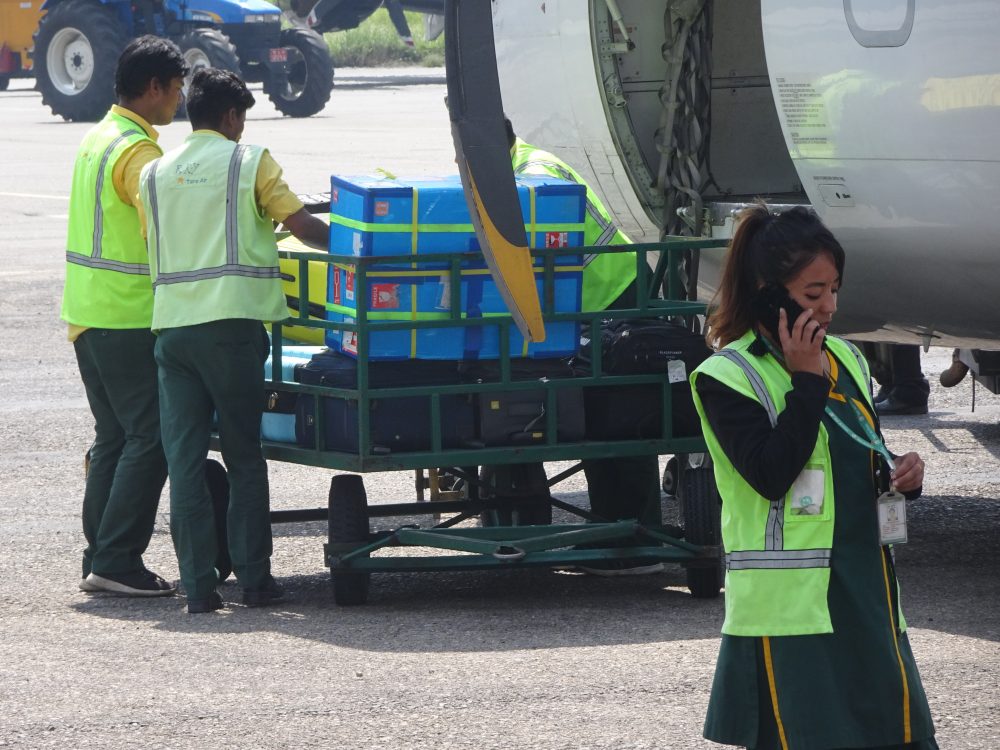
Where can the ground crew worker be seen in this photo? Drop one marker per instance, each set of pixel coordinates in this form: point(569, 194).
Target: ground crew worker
point(108, 304)
point(814, 651)
point(208, 207)
point(625, 487)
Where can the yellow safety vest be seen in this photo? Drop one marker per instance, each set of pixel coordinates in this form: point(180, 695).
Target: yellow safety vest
point(777, 555)
point(212, 251)
point(605, 275)
point(107, 269)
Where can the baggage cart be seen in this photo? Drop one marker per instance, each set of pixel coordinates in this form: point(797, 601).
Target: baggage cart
point(511, 499)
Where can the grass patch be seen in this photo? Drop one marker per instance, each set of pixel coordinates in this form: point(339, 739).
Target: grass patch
point(375, 44)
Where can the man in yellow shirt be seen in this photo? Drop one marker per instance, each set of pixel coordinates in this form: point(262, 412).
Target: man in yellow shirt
point(209, 207)
point(108, 302)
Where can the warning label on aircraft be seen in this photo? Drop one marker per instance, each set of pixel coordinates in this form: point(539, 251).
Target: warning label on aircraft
point(806, 121)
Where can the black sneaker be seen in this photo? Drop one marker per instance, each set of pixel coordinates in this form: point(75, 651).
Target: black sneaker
point(137, 583)
point(270, 592)
point(208, 604)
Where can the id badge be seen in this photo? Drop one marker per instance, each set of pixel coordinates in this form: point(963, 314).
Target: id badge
point(891, 518)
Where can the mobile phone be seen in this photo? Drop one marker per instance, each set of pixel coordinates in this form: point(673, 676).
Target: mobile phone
point(768, 301)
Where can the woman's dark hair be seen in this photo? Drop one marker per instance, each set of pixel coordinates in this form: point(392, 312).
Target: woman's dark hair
point(212, 93)
point(143, 59)
point(767, 248)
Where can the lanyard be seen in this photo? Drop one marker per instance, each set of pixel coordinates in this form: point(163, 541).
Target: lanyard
point(871, 441)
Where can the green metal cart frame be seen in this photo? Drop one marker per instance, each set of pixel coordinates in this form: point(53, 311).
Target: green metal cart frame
point(348, 551)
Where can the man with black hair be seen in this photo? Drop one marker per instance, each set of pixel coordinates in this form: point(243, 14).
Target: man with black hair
point(208, 207)
point(108, 304)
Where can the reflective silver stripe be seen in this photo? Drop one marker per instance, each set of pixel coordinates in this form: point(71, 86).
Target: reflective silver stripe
point(558, 168)
point(778, 559)
point(139, 269)
point(862, 364)
point(756, 382)
point(232, 192)
point(774, 538)
point(230, 269)
point(151, 187)
point(98, 208)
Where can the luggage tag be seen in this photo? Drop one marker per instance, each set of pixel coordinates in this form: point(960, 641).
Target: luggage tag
point(891, 518)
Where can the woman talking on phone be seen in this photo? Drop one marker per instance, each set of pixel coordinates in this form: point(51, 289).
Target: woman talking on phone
point(814, 652)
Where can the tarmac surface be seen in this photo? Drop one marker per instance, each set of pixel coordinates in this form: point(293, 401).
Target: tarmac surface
point(522, 659)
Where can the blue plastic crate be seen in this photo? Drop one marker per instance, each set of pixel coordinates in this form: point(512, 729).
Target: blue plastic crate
point(372, 216)
point(425, 295)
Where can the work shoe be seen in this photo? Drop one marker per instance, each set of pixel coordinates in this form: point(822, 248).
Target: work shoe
point(270, 592)
point(620, 568)
point(892, 407)
point(208, 604)
point(955, 373)
point(88, 587)
point(137, 583)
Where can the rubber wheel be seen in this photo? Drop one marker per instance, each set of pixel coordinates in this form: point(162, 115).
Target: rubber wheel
point(522, 490)
point(348, 524)
point(669, 482)
point(701, 515)
point(206, 48)
point(218, 489)
point(4, 82)
point(310, 74)
point(77, 46)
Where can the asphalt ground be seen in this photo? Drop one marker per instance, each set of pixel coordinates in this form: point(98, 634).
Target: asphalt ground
point(526, 658)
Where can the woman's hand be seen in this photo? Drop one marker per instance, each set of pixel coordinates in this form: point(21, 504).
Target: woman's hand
point(803, 347)
point(909, 473)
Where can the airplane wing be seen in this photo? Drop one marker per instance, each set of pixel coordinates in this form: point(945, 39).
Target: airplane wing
point(484, 162)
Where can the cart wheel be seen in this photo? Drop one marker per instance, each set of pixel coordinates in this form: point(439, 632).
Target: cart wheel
point(218, 489)
point(348, 523)
point(522, 491)
point(701, 514)
point(669, 483)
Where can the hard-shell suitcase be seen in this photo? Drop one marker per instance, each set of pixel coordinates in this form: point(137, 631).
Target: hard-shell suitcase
point(278, 420)
point(642, 347)
point(397, 424)
point(519, 417)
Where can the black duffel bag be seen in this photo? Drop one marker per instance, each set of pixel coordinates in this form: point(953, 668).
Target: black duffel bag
point(643, 347)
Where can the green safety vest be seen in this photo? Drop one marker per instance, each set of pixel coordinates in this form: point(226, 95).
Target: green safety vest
point(212, 251)
point(107, 269)
point(777, 552)
point(605, 275)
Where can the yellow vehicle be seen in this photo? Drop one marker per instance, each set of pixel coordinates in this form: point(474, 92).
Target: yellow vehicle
point(18, 21)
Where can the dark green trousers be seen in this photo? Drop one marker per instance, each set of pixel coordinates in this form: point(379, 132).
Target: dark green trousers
point(127, 468)
point(215, 367)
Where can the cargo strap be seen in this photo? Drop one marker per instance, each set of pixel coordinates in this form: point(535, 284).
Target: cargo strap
point(94, 260)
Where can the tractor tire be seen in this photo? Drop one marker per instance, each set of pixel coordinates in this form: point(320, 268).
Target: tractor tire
point(701, 512)
point(310, 74)
point(206, 48)
point(217, 481)
point(669, 481)
point(348, 523)
point(522, 491)
point(77, 46)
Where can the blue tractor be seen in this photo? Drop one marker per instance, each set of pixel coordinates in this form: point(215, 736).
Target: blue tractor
point(77, 44)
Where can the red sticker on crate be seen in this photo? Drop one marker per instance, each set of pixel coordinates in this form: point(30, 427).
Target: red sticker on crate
point(556, 239)
point(349, 342)
point(278, 54)
point(381, 208)
point(385, 297)
point(335, 195)
point(350, 285)
point(336, 286)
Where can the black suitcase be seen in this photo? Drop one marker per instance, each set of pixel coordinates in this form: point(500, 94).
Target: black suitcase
point(518, 417)
point(643, 347)
point(397, 424)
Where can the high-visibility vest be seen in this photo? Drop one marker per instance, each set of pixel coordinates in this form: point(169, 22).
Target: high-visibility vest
point(107, 270)
point(777, 551)
point(212, 251)
point(605, 275)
